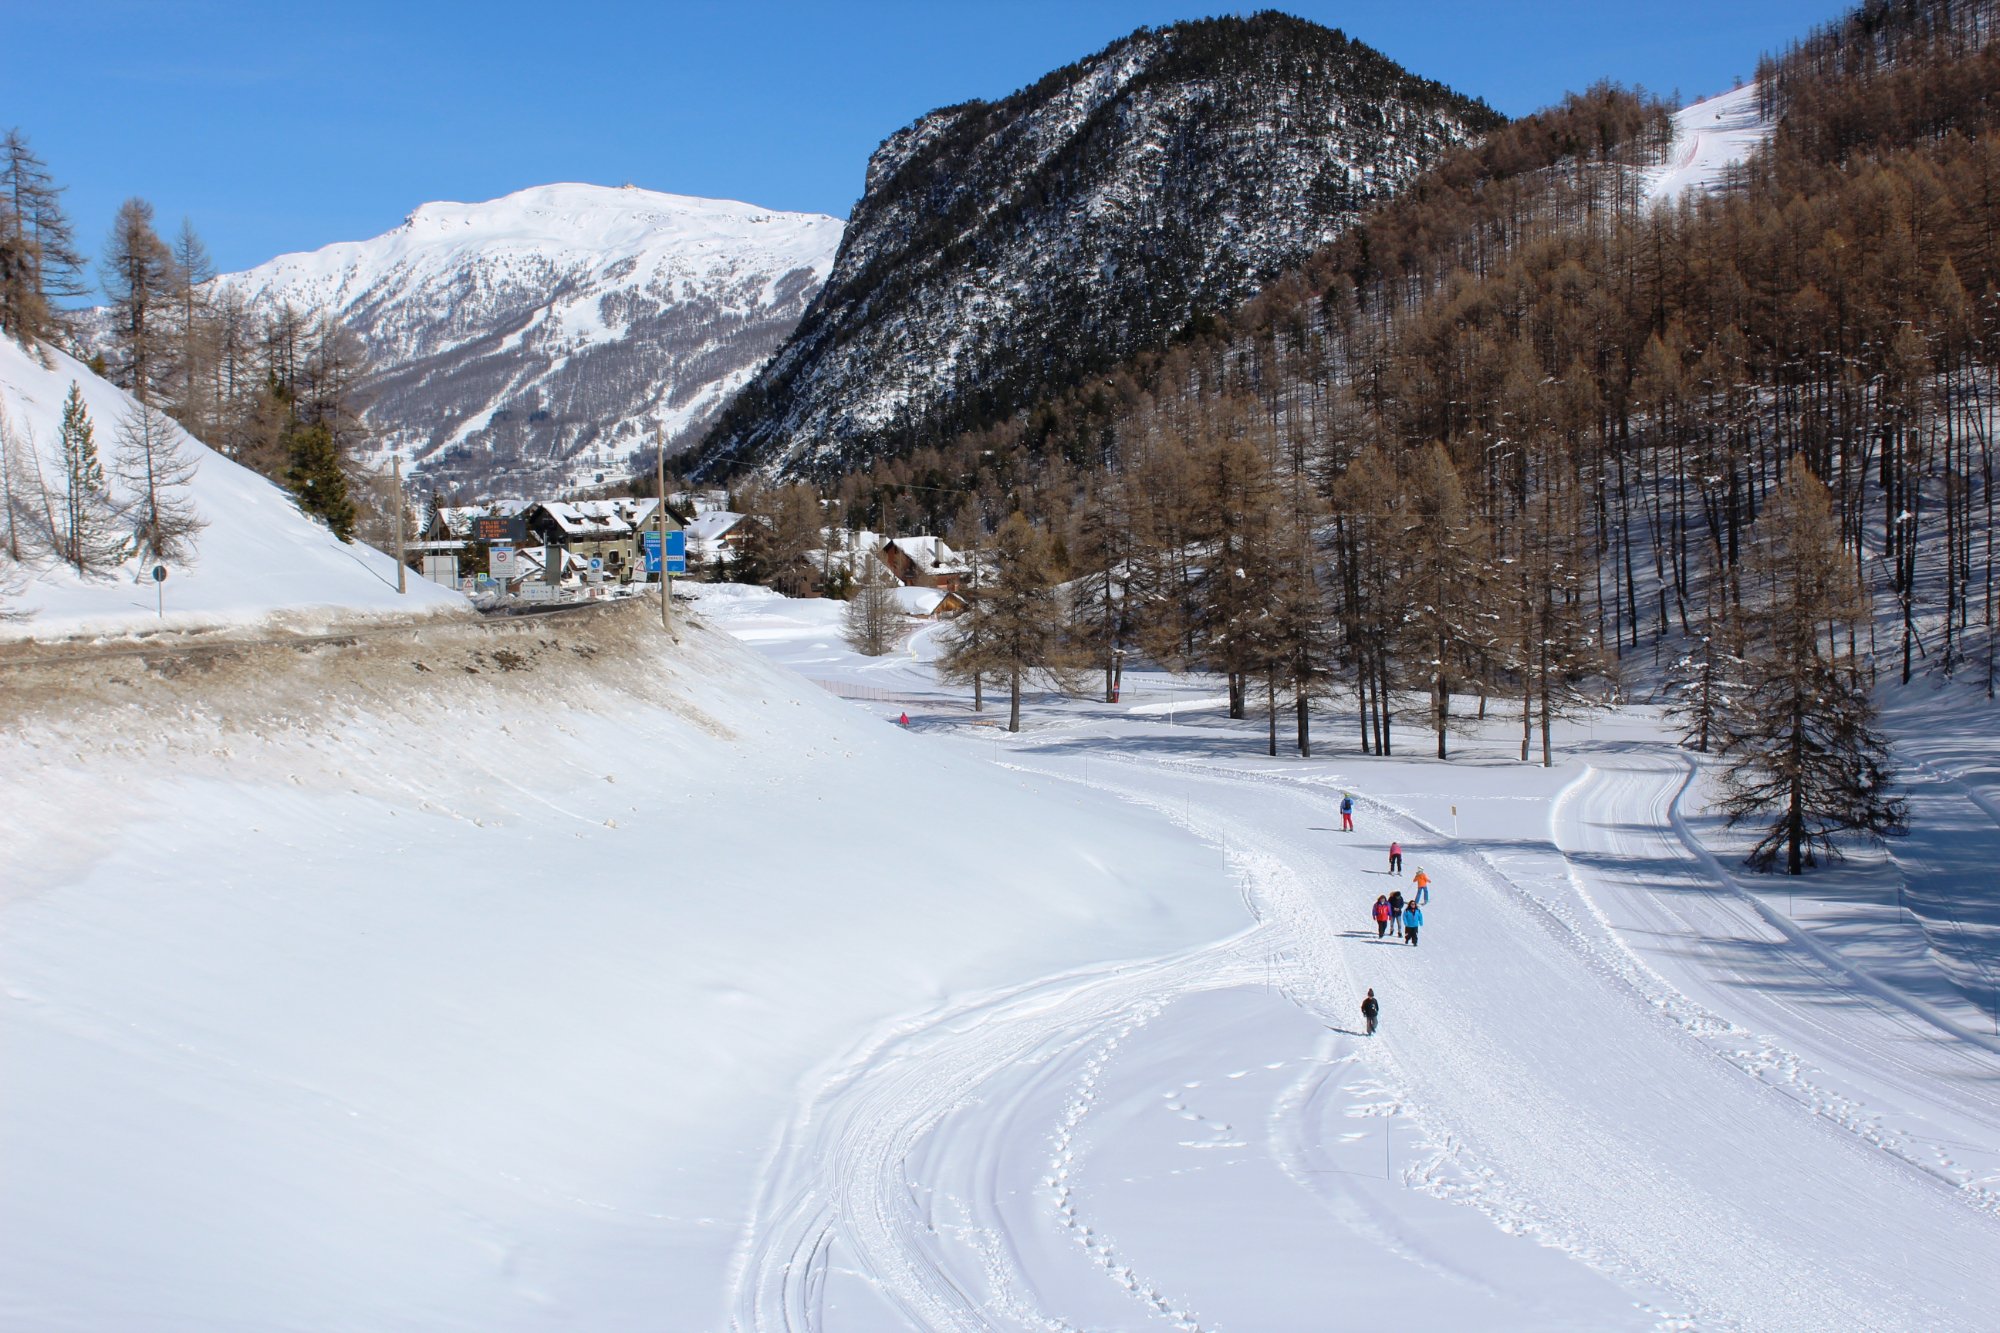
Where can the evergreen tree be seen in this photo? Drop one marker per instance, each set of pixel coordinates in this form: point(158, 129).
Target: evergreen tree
point(39, 263)
point(85, 536)
point(1018, 626)
point(138, 278)
point(1801, 747)
point(317, 481)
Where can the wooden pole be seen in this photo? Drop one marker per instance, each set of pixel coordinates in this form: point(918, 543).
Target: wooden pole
point(402, 568)
point(660, 524)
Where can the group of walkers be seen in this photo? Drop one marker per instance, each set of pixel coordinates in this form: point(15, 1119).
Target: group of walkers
point(1403, 915)
point(1392, 911)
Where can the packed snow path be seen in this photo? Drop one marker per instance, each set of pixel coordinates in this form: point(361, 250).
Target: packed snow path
point(1609, 1052)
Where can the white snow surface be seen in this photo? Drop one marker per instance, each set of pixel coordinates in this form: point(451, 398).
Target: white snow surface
point(258, 560)
point(658, 988)
point(673, 236)
point(1710, 137)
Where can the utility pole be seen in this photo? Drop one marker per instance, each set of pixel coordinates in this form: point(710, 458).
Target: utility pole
point(660, 526)
point(402, 568)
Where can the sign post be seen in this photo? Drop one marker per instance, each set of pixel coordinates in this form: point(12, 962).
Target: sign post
point(402, 559)
point(660, 532)
point(160, 587)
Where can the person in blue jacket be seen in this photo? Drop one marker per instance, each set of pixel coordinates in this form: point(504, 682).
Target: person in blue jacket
point(1346, 813)
point(1413, 920)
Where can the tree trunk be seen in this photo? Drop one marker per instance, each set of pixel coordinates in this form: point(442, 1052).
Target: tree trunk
point(1271, 706)
point(1305, 721)
point(1014, 698)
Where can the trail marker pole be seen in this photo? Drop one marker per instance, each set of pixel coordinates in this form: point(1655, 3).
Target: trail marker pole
point(1454, 822)
point(402, 567)
point(660, 523)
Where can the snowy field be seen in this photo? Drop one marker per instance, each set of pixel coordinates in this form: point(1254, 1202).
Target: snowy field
point(1710, 137)
point(548, 976)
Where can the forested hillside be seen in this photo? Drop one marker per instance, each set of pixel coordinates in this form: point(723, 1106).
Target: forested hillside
point(1513, 434)
point(1003, 251)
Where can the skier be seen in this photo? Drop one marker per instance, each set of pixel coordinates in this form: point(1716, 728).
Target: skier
point(1370, 1010)
point(1413, 921)
point(1423, 883)
point(1346, 813)
point(903, 721)
point(1396, 911)
point(1381, 916)
point(1395, 858)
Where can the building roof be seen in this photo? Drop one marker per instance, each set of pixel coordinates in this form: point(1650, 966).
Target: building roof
point(930, 555)
point(713, 525)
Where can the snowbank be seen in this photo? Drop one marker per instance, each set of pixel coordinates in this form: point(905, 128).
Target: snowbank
point(258, 559)
point(465, 976)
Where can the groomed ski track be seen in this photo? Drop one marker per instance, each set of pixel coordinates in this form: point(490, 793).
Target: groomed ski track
point(1601, 1046)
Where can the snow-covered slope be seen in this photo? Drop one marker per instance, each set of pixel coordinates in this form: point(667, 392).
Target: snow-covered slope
point(257, 559)
point(1710, 137)
point(465, 978)
point(542, 336)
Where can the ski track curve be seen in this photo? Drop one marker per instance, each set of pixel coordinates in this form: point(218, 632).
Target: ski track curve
point(1493, 1076)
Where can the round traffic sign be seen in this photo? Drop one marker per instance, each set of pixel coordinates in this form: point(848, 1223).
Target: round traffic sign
point(159, 573)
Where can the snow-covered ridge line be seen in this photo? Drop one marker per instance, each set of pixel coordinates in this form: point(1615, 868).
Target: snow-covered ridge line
point(534, 342)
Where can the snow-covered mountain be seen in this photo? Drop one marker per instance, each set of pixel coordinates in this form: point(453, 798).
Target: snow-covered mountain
point(538, 339)
point(1005, 250)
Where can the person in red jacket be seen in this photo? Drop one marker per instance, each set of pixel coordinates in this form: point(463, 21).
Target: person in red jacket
point(1381, 915)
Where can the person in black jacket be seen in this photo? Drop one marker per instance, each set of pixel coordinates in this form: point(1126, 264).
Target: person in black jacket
point(1370, 1010)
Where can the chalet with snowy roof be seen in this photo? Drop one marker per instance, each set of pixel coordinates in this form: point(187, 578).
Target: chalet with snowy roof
point(717, 534)
point(929, 603)
point(606, 531)
point(925, 562)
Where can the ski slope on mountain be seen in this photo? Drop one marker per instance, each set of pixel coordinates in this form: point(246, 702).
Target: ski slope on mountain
point(259, 561)
point(1614, 1087)
point(1711, 137)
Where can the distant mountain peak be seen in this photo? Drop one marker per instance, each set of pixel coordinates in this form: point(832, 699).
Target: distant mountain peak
point(536, 340)
point(1005, 250)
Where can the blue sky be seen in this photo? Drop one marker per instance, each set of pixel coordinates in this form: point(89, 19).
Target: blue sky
point(285, 126)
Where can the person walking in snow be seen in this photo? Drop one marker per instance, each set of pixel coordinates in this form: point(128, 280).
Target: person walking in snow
point(1413, 921)
point(1371, 1010)
point(1396, 912)
point(1381, 916)
point(1346, 813)
point(1395, 858)
point(1423, 883)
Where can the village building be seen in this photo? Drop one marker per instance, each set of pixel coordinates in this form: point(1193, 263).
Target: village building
point(925, 562)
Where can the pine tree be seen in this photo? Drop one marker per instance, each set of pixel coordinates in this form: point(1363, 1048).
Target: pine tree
point(1017, 627)
point(873, 616)
point(1446, 620)
point(39, 263)
point(138, 278)
point(85, 521)
point(316, 479)
point(156, 467)
point(1801, 746)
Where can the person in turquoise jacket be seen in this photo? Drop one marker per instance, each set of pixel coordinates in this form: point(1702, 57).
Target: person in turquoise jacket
point(1413, 921)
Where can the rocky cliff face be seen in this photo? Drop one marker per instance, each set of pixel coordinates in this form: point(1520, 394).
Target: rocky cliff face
point(1007, 249)
point(534, 342)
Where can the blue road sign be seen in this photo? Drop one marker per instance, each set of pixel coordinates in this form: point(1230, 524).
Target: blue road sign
point(676, 551)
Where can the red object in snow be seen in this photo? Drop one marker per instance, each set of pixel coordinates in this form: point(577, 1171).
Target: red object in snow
point(903, 721)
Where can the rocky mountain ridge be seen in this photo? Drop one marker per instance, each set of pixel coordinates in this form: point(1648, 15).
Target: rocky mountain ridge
point(1005, 250)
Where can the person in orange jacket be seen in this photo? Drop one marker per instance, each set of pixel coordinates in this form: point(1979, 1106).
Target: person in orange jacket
point(1423, 883)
